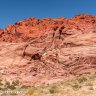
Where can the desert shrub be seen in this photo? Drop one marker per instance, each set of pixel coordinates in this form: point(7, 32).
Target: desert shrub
point(25, 87)
point(31, 91)
point(82, 79)
point(11, 85)
point(7, 84)
point(53, 89)
point(15, 83)
point(76, 86)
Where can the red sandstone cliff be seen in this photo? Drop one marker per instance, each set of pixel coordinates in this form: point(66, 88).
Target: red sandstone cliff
point(35, 51)
point(33, 27)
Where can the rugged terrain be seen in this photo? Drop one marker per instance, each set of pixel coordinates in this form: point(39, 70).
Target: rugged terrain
point(45, 51)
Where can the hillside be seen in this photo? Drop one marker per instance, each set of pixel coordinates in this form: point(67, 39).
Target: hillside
point(45, 51)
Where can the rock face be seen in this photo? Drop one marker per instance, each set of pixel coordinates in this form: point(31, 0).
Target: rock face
point(37, 51)
point(32, 27)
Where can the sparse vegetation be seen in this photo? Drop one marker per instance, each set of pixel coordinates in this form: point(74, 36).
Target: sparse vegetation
point(63, 88)
point(8, 85)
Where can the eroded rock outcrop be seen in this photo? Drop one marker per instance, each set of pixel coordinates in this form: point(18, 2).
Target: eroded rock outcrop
point(34, 51)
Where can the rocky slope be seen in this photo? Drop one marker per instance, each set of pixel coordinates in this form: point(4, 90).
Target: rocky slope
point(37, 51)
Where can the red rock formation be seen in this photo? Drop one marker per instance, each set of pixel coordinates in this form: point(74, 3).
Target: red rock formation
point(48, 49)
point(32, 27)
